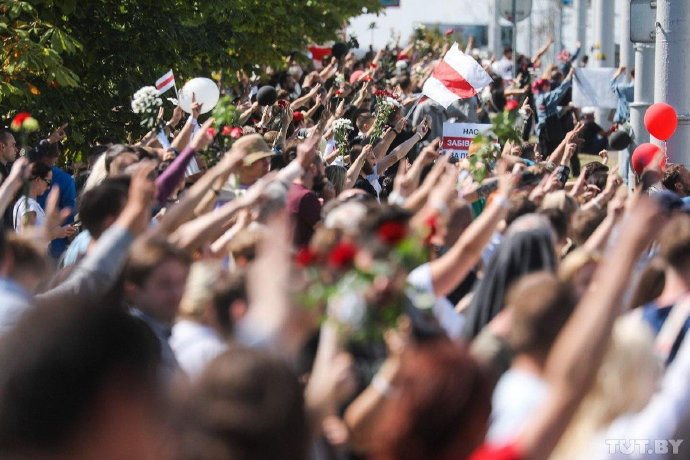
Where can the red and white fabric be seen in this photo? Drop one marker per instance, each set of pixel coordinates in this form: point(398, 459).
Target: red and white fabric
point(165, 82)
point(457, 76)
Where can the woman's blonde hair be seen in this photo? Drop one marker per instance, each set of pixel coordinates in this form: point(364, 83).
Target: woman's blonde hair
point(624, 384)
point(203, 276)
point(562, 201)
point(97, 175)
point(576, 261)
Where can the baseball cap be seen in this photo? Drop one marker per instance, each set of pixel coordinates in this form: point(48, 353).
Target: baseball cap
point(255, 148)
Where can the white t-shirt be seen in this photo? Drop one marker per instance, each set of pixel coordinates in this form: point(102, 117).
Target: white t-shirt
point(517, 394)
point(23, 206)
point(195, 345)
point(374, 181)
point(504, 68)
point(450, 320)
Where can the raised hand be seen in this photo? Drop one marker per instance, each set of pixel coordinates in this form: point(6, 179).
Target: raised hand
point(203, 139)
point(176, 116)
point(196, 107)
point(58, 135)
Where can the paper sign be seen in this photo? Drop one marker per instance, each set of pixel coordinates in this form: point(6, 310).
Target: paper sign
point(592, 87)
point(457, 137)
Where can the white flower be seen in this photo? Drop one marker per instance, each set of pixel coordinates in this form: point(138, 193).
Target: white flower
point(343, 124)
point(348, 310)
point(392, 102)
point(146, 100)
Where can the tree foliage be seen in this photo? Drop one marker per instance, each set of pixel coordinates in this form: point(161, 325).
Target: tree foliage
point(80, 62)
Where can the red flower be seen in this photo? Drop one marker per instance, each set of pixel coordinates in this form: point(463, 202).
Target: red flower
point(432, 223)
point(511, 105)
point(211, 131)
point(449, 32)
point(339, 93)
point(342, 256)
point(282, 103)
point(373, 66)
point(403, 57)
point(367, 78)
point(297, 117)
point(392, 232)
point(306, 257)
point(236, 133)
point(19, 119)
point(226, 130)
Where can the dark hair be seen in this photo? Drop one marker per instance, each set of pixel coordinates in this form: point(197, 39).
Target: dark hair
point(520, 204)
point(674, 242)
point(584, 224)
point(114, 151)
point(598, 178)
point(105, 200)
point(248, 404)
point(40, 170)
point(440, 408)
point(147, 255)
point(527, 151)
point(672, 175)
point(651, 283)
point(541, 306)
point(558, 221)
point(44, 149)
point(5, 135)
point(96, 151)
point(69, 352)
point(3, 243)
point(228, 290)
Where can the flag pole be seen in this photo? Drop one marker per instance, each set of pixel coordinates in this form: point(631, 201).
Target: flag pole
point(411, 111)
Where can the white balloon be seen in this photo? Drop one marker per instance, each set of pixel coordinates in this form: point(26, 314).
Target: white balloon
point(205, 92)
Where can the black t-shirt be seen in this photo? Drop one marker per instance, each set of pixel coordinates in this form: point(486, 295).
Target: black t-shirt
point(7, 220)
point(590, 131)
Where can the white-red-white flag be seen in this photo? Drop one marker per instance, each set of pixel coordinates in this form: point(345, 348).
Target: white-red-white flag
point(165, 82)
point(457, 76)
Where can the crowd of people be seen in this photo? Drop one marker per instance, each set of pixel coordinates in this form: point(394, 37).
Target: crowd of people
point(337, 286)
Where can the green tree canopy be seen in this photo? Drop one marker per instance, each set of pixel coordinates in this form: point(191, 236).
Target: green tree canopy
point(80, 62)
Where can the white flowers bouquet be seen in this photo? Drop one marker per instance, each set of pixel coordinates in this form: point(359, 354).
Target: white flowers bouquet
point(146, 102)
point(385, 105)
point(342, 128)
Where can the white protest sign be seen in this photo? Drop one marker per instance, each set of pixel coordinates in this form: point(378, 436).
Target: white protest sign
point(592, 87)
point(457, 137)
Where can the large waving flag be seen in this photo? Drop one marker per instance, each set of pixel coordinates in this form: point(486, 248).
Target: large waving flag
point(457, 76)
point(165, 82)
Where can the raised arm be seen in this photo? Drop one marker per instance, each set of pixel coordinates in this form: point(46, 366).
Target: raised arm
point(451, 268)
point(577, 353)
point(403, 149)
point(536, 60)
point(101, 267)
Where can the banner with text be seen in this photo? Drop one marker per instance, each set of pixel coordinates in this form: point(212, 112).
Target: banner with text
point(457, 137)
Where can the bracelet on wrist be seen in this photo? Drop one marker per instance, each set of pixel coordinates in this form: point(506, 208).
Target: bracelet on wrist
point(382, 385)
point(501, 201)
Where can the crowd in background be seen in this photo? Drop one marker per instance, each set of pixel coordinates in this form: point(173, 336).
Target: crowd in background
point(314, 293)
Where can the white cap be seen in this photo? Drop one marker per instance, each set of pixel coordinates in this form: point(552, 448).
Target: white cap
point(588, 110)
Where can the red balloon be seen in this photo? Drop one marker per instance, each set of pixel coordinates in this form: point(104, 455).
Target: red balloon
point(643, 156)
point(661, 120)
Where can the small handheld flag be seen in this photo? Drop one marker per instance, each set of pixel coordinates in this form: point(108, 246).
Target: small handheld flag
point(166, 82)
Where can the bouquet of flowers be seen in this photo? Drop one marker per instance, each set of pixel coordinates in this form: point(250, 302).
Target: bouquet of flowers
point(147, 103)
point(226, 117)
point(349, 291)
point(385, 105)
point(489, 144)
point(342, 128)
